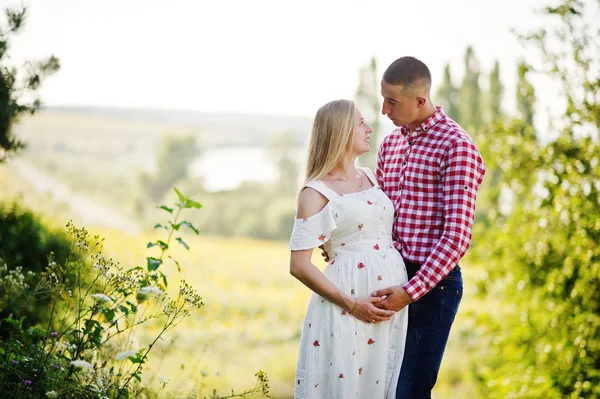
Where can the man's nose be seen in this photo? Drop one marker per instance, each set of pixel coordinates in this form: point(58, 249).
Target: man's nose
point(384, 109)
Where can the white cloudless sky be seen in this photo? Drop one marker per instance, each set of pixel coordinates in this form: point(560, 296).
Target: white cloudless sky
point(261, 56)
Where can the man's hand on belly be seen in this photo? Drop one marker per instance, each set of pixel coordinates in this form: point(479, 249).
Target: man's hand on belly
point(397, 298)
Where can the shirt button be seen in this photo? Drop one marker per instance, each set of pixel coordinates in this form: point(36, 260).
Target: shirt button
point(404, 163)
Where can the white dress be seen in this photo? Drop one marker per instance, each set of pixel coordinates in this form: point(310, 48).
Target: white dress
point(341, 356)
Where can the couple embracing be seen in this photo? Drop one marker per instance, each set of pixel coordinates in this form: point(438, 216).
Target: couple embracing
point(379, 319)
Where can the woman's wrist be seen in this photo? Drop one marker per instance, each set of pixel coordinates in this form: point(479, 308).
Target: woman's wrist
point(349, 303)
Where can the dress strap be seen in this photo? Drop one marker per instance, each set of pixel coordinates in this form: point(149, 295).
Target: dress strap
point(370, 175)
point(323, 189)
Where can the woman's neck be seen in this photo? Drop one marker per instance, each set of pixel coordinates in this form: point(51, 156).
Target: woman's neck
point(347, 169)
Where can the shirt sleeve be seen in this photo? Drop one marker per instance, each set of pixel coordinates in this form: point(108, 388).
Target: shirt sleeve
point(462, 172)
point(313, 231)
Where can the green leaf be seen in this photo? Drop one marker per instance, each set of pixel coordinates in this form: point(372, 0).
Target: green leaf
point(181, 197)
point(190, 203)
point(139, 357)
point(132, 306)
point(166, 208)
point(191, 226)
point(164, 277)
point(153, 263)
point(160, 226)
point(175, 226)
point(183, 243)
point(137, 377)
point(109, 314)
point(163, 245)
point(176, 263)
point(151, 244)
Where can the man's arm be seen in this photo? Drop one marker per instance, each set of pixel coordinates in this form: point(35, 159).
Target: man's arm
point(462, 172)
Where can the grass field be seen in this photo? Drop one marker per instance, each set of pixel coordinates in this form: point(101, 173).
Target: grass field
point(253, 314)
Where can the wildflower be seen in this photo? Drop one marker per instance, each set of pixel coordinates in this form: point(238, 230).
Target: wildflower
point(53, 334)
point(82, 364)
point(27, 382)
point(102, 298)
point(51, 394)
point(125, 355)
point(152, 290)
point(14, 362)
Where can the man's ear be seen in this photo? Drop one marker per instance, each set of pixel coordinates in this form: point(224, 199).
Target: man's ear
point(421, 101)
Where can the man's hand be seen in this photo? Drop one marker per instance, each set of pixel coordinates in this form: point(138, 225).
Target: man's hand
point(397, 298)
point(324, 253)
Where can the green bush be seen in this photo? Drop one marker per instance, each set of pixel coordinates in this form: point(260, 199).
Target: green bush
point(26, 242)
point(541, 333)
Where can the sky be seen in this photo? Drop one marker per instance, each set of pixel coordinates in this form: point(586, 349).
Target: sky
point(268, 57)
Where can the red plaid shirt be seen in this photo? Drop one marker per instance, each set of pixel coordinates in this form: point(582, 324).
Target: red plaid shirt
point(432, 176)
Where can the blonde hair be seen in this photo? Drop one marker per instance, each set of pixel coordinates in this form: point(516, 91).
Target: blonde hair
point(331, 138)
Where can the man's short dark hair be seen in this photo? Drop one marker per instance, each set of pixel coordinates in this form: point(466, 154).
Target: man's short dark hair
point(407, 72)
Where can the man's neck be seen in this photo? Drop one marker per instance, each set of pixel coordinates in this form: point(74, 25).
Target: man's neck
point(422, 118)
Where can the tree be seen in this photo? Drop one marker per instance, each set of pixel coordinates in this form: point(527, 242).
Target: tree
point(495, 94)
point(447, 95)
point(282, 147)
point(470, 94)
point(542, 331)
point(525, 94)
point(367, 99)
point(174, 157)
point(16, 87)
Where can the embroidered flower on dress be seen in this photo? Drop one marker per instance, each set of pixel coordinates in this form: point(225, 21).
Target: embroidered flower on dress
point(316, 343)
point(361, 265)
point(360, 226)
point(341, 375)
point(376, 246)
point(322, 237)
point(370, 341)
point(369, 202)
point(379, 278)
point(360, 371)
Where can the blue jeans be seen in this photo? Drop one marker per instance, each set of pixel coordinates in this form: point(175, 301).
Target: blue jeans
point(429, 321)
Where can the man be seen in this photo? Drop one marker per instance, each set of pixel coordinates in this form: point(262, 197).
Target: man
point(431, 170)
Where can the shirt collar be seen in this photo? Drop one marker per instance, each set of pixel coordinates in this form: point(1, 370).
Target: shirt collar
point(427, 124)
